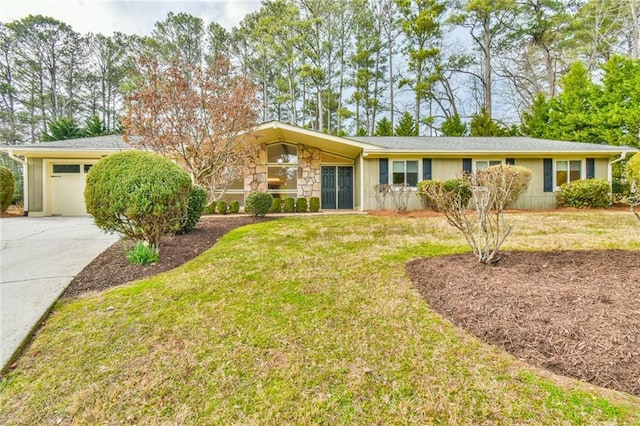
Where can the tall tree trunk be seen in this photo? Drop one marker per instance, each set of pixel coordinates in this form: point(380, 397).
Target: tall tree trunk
point(487, 65)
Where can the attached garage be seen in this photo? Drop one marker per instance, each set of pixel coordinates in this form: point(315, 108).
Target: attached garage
point(66, 187)
point(55, 172)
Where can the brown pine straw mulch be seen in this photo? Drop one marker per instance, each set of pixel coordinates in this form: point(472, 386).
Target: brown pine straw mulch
point(576, 313)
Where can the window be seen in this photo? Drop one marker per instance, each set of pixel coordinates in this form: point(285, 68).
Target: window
point(568, 171)
point(405, 172)
point(282, 168)
point(66, 168)
point(483, 164)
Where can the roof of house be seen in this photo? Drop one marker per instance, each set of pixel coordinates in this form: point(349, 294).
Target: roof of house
point(100, 143)
point(519, 145)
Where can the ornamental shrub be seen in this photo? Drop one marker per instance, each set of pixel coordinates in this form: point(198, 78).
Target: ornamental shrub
point(460, 187)
point(276, 206)
point(198, 198)
point(222, 207)
point(6, 188)
point(314, 204)
point(589, 193)
point(289, 205)
point(513, 181)
point(425, 188)
point(234, 207)
point(211, 208)
point(139, 194)
point(258, 203)
point(301, 205)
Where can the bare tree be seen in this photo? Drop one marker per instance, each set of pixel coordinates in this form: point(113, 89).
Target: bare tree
point(204, 121)
point(481, 219)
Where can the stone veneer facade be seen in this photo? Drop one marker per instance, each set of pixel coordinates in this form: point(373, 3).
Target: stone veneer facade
point(309, 172)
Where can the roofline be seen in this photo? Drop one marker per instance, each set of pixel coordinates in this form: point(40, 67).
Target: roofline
point(385, 151)
point(275, 124)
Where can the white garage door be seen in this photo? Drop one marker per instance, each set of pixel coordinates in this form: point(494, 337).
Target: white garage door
point(67, 188)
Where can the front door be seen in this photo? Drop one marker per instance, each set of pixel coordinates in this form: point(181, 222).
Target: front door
point(337, 187)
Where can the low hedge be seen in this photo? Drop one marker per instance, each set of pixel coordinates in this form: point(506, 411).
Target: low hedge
point(589, 193)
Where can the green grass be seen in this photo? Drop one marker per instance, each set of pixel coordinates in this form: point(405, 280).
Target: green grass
point(302, 321)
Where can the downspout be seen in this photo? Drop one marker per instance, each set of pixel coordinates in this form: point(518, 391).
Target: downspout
point(623, 155)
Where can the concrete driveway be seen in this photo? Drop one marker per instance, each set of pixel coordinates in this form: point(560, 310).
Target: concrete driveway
point(38, 259)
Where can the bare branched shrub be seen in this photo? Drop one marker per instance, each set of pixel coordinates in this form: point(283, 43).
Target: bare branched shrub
point(381, 191)
point(481, 220)
point(634, 200)
point(400, 194)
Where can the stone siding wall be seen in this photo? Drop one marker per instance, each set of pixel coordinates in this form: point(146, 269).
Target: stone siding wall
point(309, 175)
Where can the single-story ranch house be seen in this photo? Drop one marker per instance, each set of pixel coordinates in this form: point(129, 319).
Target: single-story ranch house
point(341, 171)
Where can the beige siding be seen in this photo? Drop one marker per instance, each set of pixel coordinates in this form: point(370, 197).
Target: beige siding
point(446, 168)
point(357, 184)
point(535, 197)
point(602, 168)
point(35, 176)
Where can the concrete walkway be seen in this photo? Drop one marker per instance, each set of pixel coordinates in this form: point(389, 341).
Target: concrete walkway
point(38, 259)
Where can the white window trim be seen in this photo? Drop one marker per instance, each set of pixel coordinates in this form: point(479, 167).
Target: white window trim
point(488, 160)
point(583, 170)
point(404, 160)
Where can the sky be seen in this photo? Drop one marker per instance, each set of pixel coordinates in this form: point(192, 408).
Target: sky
point(126, 16)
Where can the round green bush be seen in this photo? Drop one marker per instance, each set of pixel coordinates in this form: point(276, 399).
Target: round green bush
point(258, 203)
point(234, 207)
point(222, 207)
point(301, 205)
point(460, 187)
point(138, 194)
point(276, 206)
point(198, 197)
point(289, 205)
point(314, 204)
point(6, 188)
point(633, 170)
point(211, 208)
point(589, 193)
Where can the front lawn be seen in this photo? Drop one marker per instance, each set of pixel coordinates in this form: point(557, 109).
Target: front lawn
point(302, 320)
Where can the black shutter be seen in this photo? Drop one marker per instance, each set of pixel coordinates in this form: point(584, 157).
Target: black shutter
point(384, 171)
point(591, 168)
point(466, 165)
point(426, 169)
point(548, 174)
point(510, 161)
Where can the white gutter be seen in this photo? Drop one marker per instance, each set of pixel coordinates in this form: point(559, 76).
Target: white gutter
point(25, 180)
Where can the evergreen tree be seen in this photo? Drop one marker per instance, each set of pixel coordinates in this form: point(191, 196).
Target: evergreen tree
point(61, 129)
point(483, 125)
point(406, 125)
point(453, 126)
point(383, 128)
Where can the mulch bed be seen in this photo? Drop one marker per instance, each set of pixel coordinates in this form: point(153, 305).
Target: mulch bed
point(576, 313)
point(112, 268)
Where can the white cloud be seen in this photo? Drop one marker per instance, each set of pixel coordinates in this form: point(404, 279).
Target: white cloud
point(126, 16)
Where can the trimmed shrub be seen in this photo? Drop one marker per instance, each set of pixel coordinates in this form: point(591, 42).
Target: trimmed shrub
point(496, 177)
point(289, 205)
point(314, 204)
point(301, 205)
point(276, 206)
point(425, 188)
point(258, 203)
point(589, 193)
point(211, 208)
point(6, 188)
point(459, 187)
point(234, 207)
point(222, 207)
point(138, 194)
point(197, 201)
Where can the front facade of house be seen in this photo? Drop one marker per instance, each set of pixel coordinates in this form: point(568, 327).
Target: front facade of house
point(343, 172)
